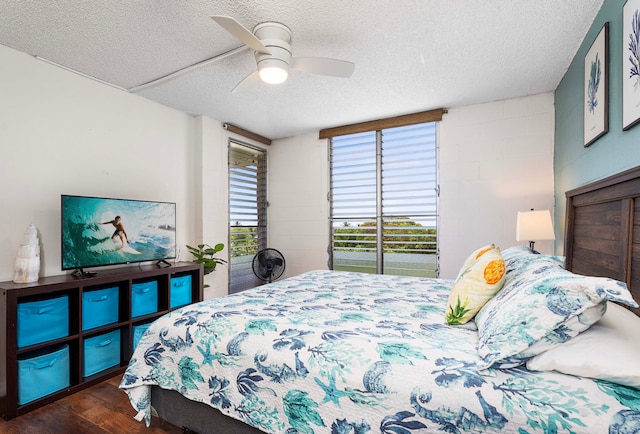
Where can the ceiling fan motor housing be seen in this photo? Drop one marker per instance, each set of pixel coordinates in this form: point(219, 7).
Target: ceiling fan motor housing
point(277, 38)
point(271, 43)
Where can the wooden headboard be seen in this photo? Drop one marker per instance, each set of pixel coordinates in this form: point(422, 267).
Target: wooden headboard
point(602, 236)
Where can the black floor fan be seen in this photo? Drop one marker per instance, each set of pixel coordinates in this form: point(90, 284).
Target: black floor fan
point(268, 265)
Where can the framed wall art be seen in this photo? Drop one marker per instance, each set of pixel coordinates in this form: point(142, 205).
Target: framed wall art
point(596, 88)
point(630, 64)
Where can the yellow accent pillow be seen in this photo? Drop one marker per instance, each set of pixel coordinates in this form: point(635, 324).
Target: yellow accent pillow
point(480, 278)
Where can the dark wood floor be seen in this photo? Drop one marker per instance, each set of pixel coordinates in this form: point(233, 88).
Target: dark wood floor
point(100, 409)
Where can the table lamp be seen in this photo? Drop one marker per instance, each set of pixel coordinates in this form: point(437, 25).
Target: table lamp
point(534, 226)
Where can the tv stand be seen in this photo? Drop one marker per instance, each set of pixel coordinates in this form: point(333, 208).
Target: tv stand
point(79, 272)
point(163, 263)
point(124, 279)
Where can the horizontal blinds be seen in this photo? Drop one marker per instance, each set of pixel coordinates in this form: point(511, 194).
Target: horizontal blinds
point(247, 212)
point(409, 200)
point(409, 171)
point(406, 211)
point(354, 176)
point(246, 175)
point(353, 202)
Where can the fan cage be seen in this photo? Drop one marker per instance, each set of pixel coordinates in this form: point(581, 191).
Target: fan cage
point(269, 265)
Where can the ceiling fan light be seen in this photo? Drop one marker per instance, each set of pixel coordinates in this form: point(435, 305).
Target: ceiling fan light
point(273, 74)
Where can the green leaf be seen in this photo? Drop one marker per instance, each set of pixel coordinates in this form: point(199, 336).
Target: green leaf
point(204, 254)
point(399, 353)
point(258, 327)
point(455, 315)
point(300, 411)
point(189, 373)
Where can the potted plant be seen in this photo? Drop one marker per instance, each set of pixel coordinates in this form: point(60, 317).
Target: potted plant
point(205, 254)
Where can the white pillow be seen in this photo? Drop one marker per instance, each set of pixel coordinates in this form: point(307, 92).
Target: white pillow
point(609, 350)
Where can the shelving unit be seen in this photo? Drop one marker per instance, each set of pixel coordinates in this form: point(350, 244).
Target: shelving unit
point(125, 278)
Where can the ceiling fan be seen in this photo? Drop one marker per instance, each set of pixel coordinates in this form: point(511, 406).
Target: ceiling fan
point(271, 43)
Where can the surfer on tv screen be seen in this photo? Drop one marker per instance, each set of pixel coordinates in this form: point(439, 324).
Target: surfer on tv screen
point(119, 232)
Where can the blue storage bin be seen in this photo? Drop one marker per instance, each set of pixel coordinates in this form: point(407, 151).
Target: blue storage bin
point(180, 293)
point(138, 331)
point(42, 321)
point(101, 352)
point(42, 375)
point(144, 298)
point(99, 307)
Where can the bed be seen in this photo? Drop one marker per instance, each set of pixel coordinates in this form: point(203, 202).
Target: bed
point(355, 353)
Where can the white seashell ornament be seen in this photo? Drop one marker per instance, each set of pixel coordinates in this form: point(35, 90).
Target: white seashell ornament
point(27, 266)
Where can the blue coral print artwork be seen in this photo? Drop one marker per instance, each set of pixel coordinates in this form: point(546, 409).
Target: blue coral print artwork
point(350, 353)
point(630, 64)
point(594, 84)
point(634, 49)
point(596, 121)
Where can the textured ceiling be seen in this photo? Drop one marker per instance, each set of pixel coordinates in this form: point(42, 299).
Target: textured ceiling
point(410, 55)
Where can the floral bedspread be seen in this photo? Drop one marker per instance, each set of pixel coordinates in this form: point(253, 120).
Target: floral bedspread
point(356, 353)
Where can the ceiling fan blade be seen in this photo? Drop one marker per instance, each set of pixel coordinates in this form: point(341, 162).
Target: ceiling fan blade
point(241, 33)
point(324, 66)
point(247, 82)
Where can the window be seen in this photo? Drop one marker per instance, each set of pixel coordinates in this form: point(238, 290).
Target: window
point(384, 201)
point(247, 213)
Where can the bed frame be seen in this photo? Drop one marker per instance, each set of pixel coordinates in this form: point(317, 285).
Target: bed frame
point(195, 417)
point(602, 238)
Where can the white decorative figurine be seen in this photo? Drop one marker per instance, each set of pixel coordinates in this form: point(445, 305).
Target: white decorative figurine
point(27, 267)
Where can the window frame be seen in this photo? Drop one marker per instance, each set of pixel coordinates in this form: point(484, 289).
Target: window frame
point(381, 217)
point(248, 279)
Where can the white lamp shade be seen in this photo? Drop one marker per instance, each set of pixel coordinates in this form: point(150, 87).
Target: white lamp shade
point(534, 226)
point(273, 74)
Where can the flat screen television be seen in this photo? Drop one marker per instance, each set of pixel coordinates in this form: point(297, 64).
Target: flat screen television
point(99, 231)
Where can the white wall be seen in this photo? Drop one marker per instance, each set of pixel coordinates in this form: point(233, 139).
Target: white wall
point(495, 159)
point(212, 192)
point(61, 133)
point(65, 134)
point(298, 215)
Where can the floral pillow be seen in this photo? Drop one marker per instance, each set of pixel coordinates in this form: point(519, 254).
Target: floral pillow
point(522, 254)
point(480, 277)
point(540, 306)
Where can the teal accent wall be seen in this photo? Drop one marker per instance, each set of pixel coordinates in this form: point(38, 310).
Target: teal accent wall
point(575, 165)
